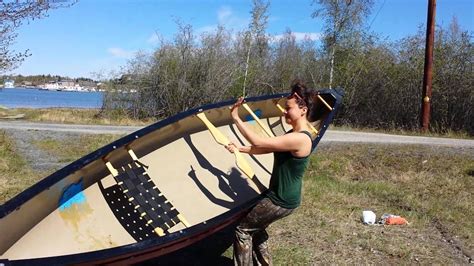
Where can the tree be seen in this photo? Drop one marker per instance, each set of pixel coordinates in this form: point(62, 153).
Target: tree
point(341, 18)
point(255, 41)
point(12, 15)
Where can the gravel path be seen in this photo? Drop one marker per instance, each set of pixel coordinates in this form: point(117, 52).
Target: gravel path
point(38, 159)
point(26, 133)
point(87, 129)
point(362, 137)
point(330, 136)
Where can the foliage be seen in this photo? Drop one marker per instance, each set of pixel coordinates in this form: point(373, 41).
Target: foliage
point(382, 79)
point(35, 80)
point(383, 82)
point(12, 15)
point(341, 20)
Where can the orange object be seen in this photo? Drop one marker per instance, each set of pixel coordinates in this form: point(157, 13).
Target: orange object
point(396, 221)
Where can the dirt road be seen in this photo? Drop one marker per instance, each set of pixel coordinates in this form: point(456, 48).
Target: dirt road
point(330, 136)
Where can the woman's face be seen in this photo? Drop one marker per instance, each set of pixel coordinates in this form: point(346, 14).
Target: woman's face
point(293, 111)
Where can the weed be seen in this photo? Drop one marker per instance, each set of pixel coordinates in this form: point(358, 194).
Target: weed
point(75, 149)
point(15, 174)
point(79, 116)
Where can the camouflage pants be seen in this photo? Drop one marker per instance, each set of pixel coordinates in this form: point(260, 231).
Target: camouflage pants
point(250, 244)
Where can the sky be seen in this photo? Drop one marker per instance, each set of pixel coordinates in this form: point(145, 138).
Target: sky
point(96, 38)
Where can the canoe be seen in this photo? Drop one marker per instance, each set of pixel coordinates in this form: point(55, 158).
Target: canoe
point(150, 193)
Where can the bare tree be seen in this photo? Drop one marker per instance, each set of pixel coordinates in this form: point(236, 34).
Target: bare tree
point(288, 57)
point(12, 15)
point(256, 43)
point(341, 17)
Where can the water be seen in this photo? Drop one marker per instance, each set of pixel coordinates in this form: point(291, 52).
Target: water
point(35, 98)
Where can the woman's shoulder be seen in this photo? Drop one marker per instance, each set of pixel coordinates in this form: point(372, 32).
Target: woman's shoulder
point(304, 131)
point(307, 133)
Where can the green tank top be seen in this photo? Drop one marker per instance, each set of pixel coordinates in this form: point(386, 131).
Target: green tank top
point(287, 178)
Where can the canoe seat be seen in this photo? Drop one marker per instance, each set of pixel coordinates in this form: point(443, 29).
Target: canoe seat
point(139, 205)
point(142, 192)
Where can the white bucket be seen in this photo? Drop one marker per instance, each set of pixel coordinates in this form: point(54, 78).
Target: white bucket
point(368, 217)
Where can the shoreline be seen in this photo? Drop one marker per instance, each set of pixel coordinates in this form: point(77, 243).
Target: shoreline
point(58, 89)
point(37, 98)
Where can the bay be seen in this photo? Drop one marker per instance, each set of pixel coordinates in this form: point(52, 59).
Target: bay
point(36, 98)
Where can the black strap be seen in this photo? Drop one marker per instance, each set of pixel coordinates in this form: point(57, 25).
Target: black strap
point(308, 134)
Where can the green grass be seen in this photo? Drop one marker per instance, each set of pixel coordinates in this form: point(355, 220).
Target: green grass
point(67, 151)
point(78, 116)
point(428, 186)
point(424, 185)
point(15, 174)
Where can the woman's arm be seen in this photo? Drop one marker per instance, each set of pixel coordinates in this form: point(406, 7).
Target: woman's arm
point(253, 150)
point(246, 149)
point(288, 142)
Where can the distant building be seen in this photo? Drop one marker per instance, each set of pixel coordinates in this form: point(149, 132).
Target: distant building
point(27, 84)
point(68, 85)
point(9, 84)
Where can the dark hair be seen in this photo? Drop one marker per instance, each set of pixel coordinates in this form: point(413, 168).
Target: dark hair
point(301, 92)
point(308, 99)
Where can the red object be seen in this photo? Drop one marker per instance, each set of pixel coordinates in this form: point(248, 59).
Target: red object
point(396, 221)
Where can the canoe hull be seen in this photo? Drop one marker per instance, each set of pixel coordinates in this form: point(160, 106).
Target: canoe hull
point(178, 157)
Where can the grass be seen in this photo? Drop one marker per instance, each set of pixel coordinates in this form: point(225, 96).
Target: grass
point(15, 174)
point(432, 188)
point(78, 116)
point(81, 146)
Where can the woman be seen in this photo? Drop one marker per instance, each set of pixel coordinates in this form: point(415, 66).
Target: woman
point(291, 156)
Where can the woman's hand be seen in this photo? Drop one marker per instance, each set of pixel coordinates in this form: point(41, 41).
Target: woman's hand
point(234, 111)
point(231, 147)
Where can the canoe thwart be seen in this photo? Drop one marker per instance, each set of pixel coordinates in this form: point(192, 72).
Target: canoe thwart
point(221, 139)
point(255, 117)
point(324, 102)
point(241, 162)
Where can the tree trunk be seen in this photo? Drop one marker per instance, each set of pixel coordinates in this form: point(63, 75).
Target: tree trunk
point(331, 72)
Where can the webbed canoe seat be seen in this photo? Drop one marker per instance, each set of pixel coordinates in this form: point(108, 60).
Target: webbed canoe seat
point(153, 210)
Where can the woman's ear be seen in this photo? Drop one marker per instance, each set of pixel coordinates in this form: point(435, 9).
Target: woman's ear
point(304, 110)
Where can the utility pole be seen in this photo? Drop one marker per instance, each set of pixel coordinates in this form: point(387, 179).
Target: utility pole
point(428, 73)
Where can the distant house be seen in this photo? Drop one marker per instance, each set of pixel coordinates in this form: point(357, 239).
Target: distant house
point(27, 83)
point(52, 85)
point(66, 84)
point(9, 84)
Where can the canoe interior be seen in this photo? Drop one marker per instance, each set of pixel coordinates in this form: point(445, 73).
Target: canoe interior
point(83, 208)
